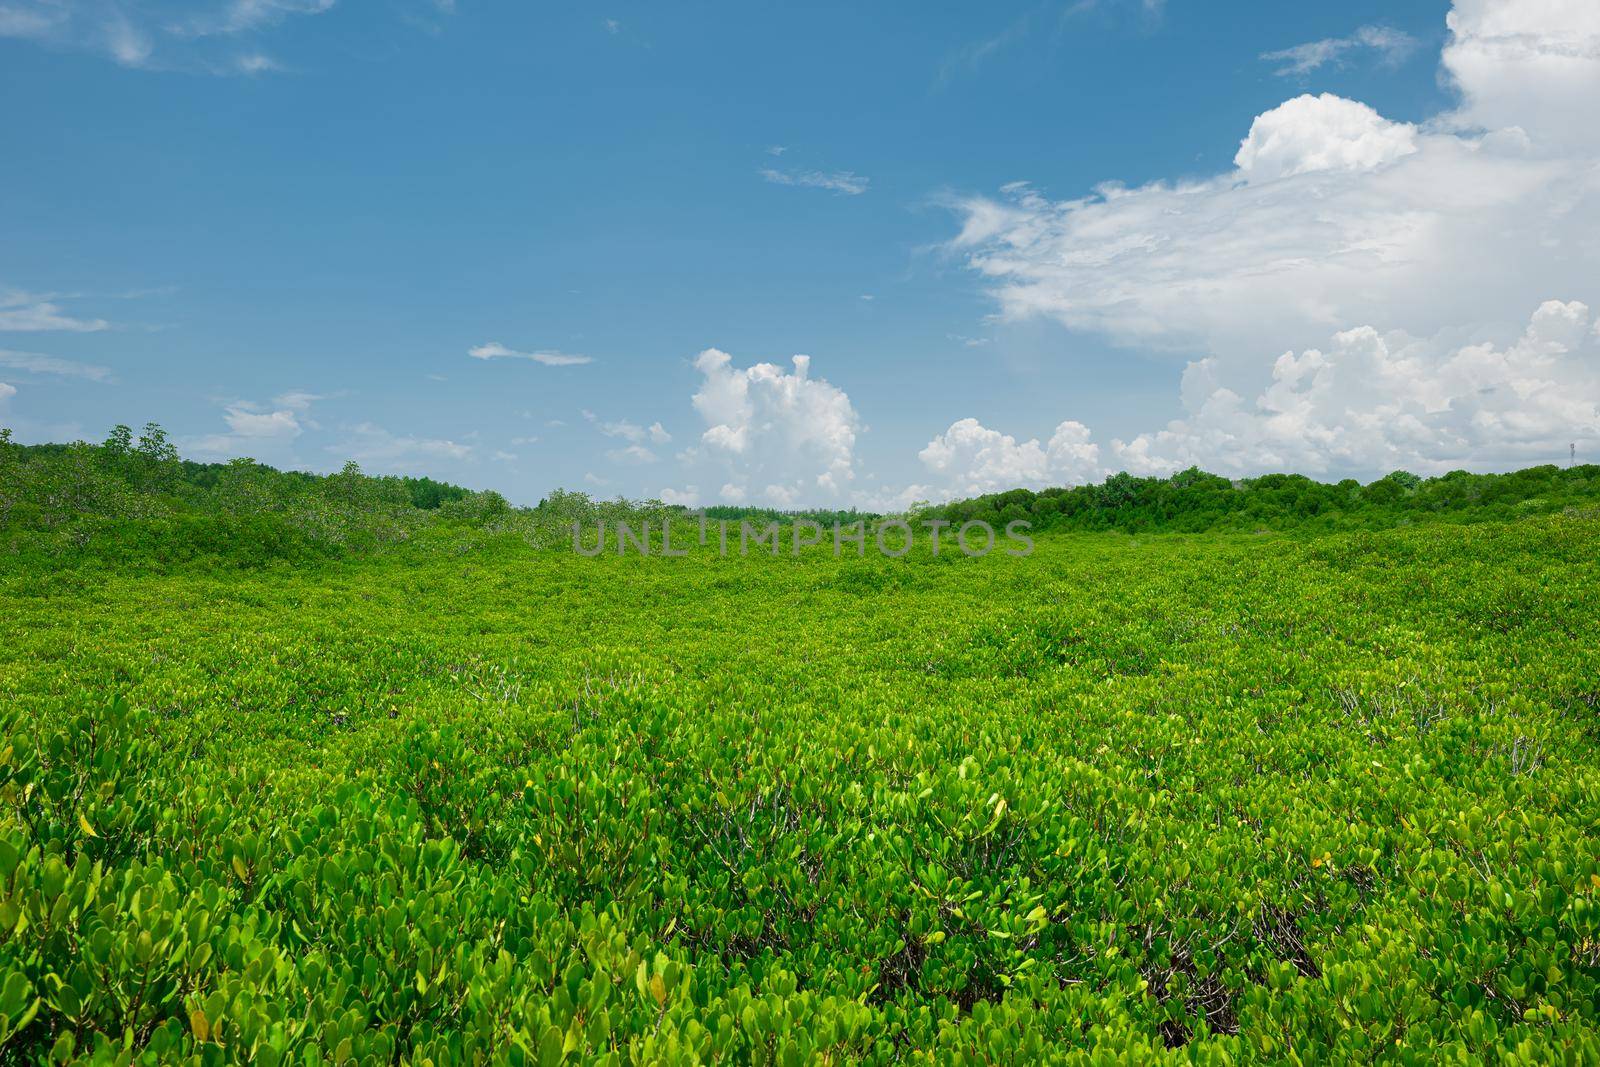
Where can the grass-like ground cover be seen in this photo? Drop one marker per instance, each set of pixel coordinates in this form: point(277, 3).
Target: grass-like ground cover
point(1256, 798)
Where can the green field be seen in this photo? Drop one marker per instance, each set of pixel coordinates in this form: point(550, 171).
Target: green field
point(1257, 798)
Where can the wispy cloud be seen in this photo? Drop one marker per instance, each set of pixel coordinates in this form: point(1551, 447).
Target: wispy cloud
point(840, 181)
point(241, 16)
point(550, 358)
point(35, 363)
point(972, 56)
point(297, 401)
point(629, 431)
point(612, 25)
point(21, 311)
point(160, 34)
point(1044, 20)
point(631, 454)
point(1391, 46)
point(371, 444)
point(256, 63)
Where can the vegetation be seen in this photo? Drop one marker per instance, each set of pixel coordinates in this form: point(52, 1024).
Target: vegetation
point(1222, 798)
point(135, 501)
point(1194, 501)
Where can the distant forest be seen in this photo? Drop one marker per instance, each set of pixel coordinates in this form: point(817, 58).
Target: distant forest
point(133, 498)
point(1193, 501)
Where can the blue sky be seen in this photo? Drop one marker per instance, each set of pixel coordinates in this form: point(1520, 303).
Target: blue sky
point(281, 227)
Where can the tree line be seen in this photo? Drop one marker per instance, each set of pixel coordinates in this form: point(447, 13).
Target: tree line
point(133, 497)
point(1193, 501)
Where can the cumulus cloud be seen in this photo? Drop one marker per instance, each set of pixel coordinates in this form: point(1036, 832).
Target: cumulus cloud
point(688, 496)
point(1529, 64)
point(1391, 47)
point(1418, 248)
point(243, 422)
point(842, 181)
point(1312, 134)
point(773, 435)
point(969, 458)
point(550, 358)
point(1373, 402)
point(1365, 404)
point(1334, 215)
point(256, 430)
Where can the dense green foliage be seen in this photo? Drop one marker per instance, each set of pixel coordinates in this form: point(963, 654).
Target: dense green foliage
point(135, 501)
point(125, 502)
point(1193, 501)
point(1226, 799)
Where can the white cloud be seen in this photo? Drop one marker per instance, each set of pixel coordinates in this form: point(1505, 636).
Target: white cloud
point(1373, 402)
point(551, 358)
point(36, 363)
point(1533, 64)
point(1367, 404)
point(783, 432)
point(240, 16)
point(243, 422)
point(1391, 47)
point(1312, 134)
point(631, 454)
point(155, 34)
point(6, 393)
point(29, 312)
point(969, 458)
point(372, 445)
point(613, 25)
point(31, 21)
point(297, 401)
point(1441, 236)
point(688, 496)
point(627, 431)
point(256, 430)
point(1335, 215)
point(841, 181)
point(257, 63)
